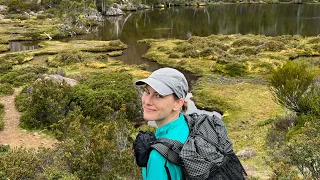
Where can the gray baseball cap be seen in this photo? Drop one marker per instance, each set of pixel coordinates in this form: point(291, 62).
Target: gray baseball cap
point(167, 81)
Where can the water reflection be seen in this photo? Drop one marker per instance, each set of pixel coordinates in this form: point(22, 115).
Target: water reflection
point(23, 46)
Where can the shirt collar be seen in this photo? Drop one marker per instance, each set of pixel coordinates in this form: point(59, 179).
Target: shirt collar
point(160, 132)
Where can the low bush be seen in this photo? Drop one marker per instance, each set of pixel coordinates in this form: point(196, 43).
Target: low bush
point(22, 76)
point(248, 51)
point(5, 67)
point(280, 127)
point(235, 69)
point(246, 42)
point(191, 54)
point(289, 83)
point(17, 16)
point(66, 57)
point(6, 89)
point(106, 93)
point(183, 47)
point(174, 55)
point(275, 46)
point(46, 103)
point(310, 101)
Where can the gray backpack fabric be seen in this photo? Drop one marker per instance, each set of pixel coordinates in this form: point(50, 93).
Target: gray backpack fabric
point(207, 153)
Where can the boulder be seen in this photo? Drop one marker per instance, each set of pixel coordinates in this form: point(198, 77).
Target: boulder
point(94, 15)
point(3, 9)
point(1, 16)
point(246, 153)
point(59, 78)
point(113, 12)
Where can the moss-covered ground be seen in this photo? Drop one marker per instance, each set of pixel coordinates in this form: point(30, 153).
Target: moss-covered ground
point(233, 72)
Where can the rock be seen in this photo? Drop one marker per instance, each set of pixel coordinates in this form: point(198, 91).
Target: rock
point(60, 78)
point(4, 9)
point(246, 153)
point(1, 16)
point(94, 15)
point(35, 134)
point(113, 12)
point(130, 7)
point(31, 13)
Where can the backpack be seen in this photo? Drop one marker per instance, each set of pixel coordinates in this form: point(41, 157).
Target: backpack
point(207, 154)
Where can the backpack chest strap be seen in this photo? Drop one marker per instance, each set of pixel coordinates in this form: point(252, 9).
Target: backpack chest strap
point(170, 149)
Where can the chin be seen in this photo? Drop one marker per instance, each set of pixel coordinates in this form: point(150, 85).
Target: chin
point(148, 118)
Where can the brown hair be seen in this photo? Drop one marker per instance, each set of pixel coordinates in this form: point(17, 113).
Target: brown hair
point(184, 107)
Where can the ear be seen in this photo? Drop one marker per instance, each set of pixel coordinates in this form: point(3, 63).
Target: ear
point(178, 104)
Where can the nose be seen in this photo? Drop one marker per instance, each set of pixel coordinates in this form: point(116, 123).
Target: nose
point(147, 99)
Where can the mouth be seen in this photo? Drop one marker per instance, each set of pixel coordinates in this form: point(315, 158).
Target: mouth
point(148, 109)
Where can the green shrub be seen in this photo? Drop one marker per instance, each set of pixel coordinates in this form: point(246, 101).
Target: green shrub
point(47, 102)
point(286, 38)
point(218, 45)
point(163, 48)
point(197, 40)
point(106, 93)
point(183, 47)
point(289, 83)
point(66, 57)
point(19, 164)
point(100, 152)
point(174, 55)
point(22, 76)
point(303, 148)
point(235, 69)
point(6, 89)
point(248, 51)
point(280, 127)
point(246, 42)
point(314, 40)
point(5, 67)
point(191, 53)
point(115, 43)
point(17, 16)
point(310, 102)
point(275, 46)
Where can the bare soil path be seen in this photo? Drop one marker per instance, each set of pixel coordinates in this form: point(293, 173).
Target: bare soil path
point(13, 135)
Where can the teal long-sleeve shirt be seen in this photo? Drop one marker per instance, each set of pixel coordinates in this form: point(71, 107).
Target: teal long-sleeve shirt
point(175, 130)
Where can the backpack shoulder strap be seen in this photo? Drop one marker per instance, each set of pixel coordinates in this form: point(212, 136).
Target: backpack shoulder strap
point(169, 149)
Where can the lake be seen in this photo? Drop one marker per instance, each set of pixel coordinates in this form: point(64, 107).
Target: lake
point(184, 22)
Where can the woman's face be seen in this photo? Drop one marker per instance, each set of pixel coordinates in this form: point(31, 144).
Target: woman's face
point(162, 109)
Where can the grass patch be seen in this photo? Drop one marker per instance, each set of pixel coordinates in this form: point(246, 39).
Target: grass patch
point(4, 47)
point(246, 108)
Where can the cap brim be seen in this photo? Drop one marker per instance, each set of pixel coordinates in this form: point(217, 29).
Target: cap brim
point(157, 85)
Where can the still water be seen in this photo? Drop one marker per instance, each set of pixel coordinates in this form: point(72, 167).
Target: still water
point(183, 22)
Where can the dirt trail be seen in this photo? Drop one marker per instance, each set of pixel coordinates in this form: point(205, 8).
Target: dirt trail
point(12, 134)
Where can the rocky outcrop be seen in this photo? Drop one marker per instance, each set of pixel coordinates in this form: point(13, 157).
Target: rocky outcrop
point(247, 153)
point(59, 78)
point(94, 15)
point(3, 9)
point(113, 12)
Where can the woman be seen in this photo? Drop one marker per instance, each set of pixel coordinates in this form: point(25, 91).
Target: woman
point(163, 101)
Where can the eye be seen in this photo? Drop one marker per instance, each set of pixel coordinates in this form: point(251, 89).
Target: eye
point(145, 90)
point(158, 96)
